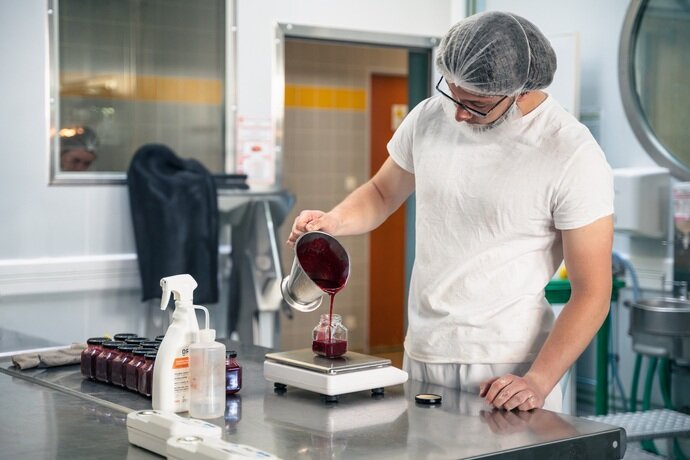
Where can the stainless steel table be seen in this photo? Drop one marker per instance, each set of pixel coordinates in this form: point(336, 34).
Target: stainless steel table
point(54, 413)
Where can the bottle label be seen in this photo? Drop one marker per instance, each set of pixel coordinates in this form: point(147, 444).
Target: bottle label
point(180, 370)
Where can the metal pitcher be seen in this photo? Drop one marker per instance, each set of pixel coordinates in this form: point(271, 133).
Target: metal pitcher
point(299, 288)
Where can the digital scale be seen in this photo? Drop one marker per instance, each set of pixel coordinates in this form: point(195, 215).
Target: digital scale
point(331, 377)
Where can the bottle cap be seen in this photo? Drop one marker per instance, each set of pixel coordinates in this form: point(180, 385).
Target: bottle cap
point(136, 340)
point(124, 336)
point(112, 344)
point(128, 347)
point(96, 340)
point(151, 355)
point(143, 351)
point(231, 354)
point(159, 338)
point(428, 398)
point(206, 335)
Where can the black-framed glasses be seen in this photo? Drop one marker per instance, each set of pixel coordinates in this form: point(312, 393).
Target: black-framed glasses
point(465, 107)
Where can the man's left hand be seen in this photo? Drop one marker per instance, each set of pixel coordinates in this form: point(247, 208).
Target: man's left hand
point(512, 392)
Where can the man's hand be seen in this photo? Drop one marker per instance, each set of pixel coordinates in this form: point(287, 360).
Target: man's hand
point(512, 392)
point(310, 221)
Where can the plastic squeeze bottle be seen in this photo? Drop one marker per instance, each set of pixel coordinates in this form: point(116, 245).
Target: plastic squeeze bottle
point(170, 387)
point(207, 374)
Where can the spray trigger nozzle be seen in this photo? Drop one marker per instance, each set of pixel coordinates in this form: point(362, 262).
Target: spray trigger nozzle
point(181, 286)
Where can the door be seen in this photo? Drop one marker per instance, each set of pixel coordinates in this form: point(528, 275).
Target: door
point(386, 243)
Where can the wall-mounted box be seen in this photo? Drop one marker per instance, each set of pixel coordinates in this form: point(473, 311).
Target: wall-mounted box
point(641, 201)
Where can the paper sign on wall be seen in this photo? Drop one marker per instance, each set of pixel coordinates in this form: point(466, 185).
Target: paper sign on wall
point(256, 151)
point(398, 113)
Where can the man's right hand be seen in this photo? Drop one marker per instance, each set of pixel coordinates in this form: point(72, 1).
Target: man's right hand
point(310, 221)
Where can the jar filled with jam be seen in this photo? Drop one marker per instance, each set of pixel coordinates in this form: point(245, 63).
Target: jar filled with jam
point(94, 346)
point(131, 368)
point(104, 361)
point(117, 375)
point(329, 337)
point(233, 373)
point(145, 374)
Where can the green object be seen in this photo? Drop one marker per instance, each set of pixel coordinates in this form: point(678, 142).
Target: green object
point(635, 382)
point(601, 394)
point(558, 292)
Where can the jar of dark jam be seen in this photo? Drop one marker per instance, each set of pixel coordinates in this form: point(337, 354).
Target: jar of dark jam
point(124, 336)
point(117, 375)
point(104, 361)
point(233, 373)
point(145, 374)
point(329, 337)
point(94, 346)
point(131, 375)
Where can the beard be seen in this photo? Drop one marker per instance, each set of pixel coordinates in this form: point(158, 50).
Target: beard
point(510, 114)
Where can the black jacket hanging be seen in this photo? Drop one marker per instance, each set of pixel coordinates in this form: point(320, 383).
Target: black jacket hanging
point(175, 217)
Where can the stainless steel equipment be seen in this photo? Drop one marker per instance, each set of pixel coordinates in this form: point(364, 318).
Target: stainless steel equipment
point(661, 327)
point(298, 288)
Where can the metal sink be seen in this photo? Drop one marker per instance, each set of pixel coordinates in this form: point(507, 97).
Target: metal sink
point(661, 327)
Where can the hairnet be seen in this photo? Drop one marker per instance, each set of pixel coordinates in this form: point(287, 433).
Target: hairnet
point(78, 137)
point(496, 53)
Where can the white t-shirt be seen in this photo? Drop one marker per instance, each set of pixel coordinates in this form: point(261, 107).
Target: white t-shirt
point(489, 207)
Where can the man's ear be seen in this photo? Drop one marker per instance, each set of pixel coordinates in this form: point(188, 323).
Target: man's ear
point(522, 96)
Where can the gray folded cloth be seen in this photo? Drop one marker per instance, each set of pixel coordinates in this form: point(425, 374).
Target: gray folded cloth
point(62, 357)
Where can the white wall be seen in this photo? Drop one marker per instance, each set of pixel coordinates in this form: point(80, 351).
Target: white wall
point(256, 21)
point(75, 225)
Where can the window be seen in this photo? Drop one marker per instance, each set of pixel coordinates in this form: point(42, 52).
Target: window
point(125, 73)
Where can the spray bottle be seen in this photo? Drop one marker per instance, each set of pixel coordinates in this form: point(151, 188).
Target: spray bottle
point(170, 388)
point(207, 374)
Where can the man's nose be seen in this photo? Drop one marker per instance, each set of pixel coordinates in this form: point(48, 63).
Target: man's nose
point(461, 114)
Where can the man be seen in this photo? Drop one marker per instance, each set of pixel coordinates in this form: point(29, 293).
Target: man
point(507, 186)
point(77, 148)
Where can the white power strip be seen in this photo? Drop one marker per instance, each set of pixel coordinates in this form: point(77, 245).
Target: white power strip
point(151, 429)
point(198, 448)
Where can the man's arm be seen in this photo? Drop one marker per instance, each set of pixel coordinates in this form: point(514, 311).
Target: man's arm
point(364, 209)
point(587, 255)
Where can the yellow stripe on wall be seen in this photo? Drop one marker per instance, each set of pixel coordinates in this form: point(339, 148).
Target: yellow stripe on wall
point(151, 88)
point(323, 97)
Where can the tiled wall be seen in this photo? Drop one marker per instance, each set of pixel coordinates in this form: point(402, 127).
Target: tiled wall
point(326, 154)
point(144, 71)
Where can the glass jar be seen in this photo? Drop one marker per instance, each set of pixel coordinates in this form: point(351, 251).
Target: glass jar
point(145, 374)
point(233, 373)
point(329, 337)
point(94, 346)
point(131, 374)
point(117, 374)
point(104, 361)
